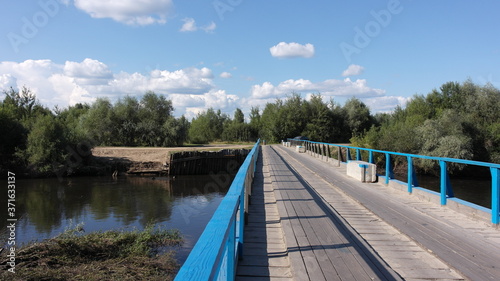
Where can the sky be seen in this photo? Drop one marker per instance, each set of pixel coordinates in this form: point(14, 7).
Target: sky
point(229, 54)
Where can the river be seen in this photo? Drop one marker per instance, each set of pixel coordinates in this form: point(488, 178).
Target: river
point(46, 207)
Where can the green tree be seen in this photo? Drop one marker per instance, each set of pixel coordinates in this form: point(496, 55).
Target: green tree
point(23, 102)
point(46, 145)
point(358, 118)
point(239, 117)
point(255, 123)
point(13, 135)
point(207, 126)
point(126, 119)
point(271, 129)
point(154, 111)
point(321, 125)
point(293, 116)
point(236, 129)
point(175, 131)
point(97, 123)
point(445, 137)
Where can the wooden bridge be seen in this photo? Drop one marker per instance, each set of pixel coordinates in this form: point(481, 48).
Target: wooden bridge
point(308, 221)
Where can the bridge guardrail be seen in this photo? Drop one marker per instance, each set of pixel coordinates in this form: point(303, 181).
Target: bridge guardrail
point(215, 254)
point(445, 186)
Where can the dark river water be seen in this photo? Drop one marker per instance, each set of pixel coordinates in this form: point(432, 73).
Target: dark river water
point(46, 207)
point(474, 190)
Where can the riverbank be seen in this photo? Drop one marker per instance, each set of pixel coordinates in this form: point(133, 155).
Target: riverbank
point(110, 255)
point(104, 161)
point(109, 160)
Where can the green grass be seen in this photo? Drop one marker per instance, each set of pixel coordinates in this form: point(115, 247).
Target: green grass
point(110, 255)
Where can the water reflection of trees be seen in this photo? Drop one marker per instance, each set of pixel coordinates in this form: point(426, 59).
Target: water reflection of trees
point(132, 199)
point(48, 202)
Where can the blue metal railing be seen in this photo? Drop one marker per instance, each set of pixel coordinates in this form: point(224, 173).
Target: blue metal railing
point(215, 255)
point(445, 186)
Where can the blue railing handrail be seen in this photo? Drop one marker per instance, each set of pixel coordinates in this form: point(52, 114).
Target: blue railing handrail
point(215, 254)
point(445, 186)
point(455, 160)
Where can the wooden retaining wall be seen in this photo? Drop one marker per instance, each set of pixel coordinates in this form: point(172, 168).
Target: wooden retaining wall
point(206, 162)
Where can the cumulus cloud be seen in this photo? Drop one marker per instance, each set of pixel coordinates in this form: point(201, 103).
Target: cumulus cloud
point(129, 12)
point(330, 87)
point(353, 70)
point(190, 26)
point(226, 75)
point(82, 82)
point(88, 72)
point(209, 28)
point(191, 89)
point(191, 105)
point(7, 81)
point(292, 50)
point(386, 103)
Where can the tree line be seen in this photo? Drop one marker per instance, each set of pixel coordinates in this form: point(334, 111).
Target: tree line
point(460, 120)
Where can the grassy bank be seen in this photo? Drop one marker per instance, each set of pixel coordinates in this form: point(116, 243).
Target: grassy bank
point(110, 255)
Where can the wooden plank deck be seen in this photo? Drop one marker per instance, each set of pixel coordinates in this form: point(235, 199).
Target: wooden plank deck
point(416, 239)
point(321, 246)
point(265, 255)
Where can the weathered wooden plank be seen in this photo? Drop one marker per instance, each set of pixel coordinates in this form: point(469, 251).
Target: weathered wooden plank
point(423, 229)
point(355, 257)
point(265, 256)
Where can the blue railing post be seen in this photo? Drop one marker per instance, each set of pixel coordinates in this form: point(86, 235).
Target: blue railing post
point(358, 155)
point(348, 154)
point(495, 195)
point(443, 181)
point(388, 168)
point(410, 174)
point(370, 157)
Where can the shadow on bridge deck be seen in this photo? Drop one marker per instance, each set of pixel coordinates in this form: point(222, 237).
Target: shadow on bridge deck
point(321, 245)
point(417, 239)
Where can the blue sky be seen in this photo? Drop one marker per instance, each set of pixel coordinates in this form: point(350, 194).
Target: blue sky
point(239, 53)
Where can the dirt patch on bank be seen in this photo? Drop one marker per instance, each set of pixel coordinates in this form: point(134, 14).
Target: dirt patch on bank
point(154, 154)
point(144, 160)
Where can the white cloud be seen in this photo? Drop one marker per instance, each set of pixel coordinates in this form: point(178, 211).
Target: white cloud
point(385, 103)
point(34, 74)
point(190, 105)
point(74, 82)
point(210, 27)
point(189, 25)
point(191, 89)
point(184, 81)
point(292, 50)
point(226, 75)
point(129, 12)
point(353, 70)
point(330, 87)
point(7, 81)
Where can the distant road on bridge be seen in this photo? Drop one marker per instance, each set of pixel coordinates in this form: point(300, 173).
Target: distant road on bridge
point(312, 222)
